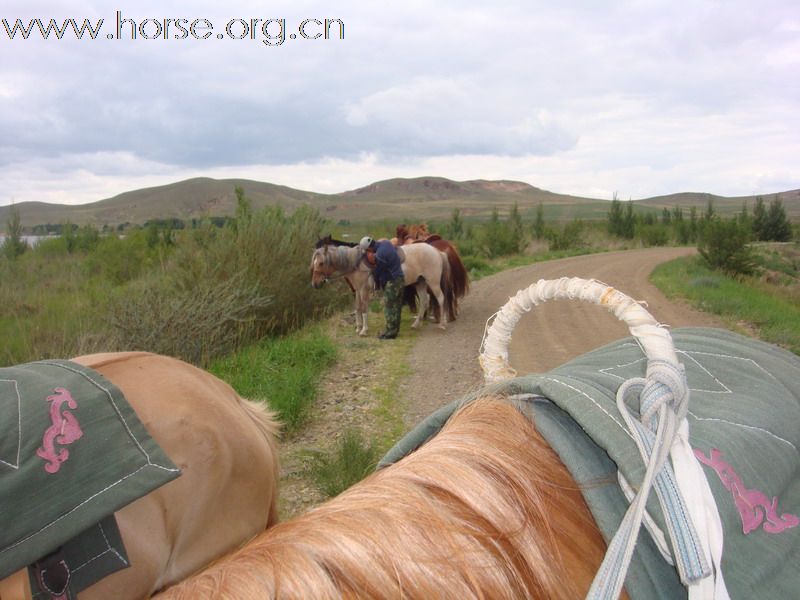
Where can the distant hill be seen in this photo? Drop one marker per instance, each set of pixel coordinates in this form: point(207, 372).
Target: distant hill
point(395, 200)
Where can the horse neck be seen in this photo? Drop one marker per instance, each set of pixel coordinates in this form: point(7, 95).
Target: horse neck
point(344, 258)
point(484, 509)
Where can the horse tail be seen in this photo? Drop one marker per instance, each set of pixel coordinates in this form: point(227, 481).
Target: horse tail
point(410, 297)
point(459, 276)
point(459, 272)
point(267, 424)
point(446, 285)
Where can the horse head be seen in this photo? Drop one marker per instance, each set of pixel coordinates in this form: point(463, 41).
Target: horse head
point(321, 267)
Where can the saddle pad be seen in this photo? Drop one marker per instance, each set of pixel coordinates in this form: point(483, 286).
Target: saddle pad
point(744, 423)
point(72, 452)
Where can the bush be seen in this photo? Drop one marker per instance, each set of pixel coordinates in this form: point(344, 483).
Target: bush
point(568, 238)
point(724, 247)
point(654, 235)
point(194, 323)
point(220, 287)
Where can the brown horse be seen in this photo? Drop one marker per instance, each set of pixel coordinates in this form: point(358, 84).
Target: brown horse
point(225, 447)
point(459, 275)
point(483, 510)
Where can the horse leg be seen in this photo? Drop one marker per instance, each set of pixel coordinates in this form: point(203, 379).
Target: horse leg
point(436, 290)
point(422, 294)
point(362, 310)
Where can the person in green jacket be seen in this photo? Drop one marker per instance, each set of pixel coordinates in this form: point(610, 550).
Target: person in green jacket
point(385, 262)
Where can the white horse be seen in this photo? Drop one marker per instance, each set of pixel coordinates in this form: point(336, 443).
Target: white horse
point(423, 266)
point(330, 258)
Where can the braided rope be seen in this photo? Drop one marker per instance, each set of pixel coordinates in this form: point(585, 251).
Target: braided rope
point(654, 409)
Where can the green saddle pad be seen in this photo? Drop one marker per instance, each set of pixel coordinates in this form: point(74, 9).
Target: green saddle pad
point(72, 452)
point(743, 419)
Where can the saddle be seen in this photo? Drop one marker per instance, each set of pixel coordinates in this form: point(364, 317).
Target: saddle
point(72, 452)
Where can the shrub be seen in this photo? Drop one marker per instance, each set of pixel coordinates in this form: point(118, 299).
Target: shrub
point(567, 238)
point(220, 287)
point(725, 247)
point(654, 235)
point(194, 323)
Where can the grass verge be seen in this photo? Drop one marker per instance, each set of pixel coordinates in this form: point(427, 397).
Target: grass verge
point(743, 304)
point(285, 372)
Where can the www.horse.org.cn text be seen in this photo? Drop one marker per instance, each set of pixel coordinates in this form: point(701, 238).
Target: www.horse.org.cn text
point(270, 31)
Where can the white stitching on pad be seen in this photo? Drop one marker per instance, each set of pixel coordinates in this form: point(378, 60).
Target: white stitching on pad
point(593, 401)
point(732, 423)
point(690, 355)
point(19, 424)
point(72, 510)
point(150, 463)
point(109, 548)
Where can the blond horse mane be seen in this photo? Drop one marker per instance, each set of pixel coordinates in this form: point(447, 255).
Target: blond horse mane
point(483, 510)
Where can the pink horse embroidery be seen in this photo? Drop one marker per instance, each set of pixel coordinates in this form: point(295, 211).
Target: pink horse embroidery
point(64, 430)
point(753, 505)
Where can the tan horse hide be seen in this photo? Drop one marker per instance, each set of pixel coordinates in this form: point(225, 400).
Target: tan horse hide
point(227, 493)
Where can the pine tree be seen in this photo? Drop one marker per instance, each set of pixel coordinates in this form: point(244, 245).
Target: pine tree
point(14, 244)
point(759, 219)
point(456, 226)
point(777, 227)
point(538, 224)
point(615, 218)
point(629, 222)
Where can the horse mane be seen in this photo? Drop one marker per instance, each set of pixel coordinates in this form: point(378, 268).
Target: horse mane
point(418, 231)
point(401, 233)
point(328, 240)
point(483, 510)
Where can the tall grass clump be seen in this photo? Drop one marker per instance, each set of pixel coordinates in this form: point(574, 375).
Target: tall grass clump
point(349, 462)
point(53, 298)
point(283, 371)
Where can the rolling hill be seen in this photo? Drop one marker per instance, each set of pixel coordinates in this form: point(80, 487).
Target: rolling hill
point(395, 200)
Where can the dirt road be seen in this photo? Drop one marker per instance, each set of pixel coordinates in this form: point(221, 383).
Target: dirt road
point(445, 364)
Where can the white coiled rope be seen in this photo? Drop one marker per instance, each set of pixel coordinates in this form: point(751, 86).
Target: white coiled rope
point(654, 409)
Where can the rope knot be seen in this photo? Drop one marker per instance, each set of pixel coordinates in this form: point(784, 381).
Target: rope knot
point(665, 385)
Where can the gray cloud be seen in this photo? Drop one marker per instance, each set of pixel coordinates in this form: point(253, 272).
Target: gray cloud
point(632, 80)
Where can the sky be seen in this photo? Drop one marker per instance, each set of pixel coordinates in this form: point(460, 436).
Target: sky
point(628, 98)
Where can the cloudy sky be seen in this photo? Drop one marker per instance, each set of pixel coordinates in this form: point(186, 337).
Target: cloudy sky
point(638, 98)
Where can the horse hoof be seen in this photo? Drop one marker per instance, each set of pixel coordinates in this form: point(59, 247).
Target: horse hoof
point(441, 326)
point(362, 333)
